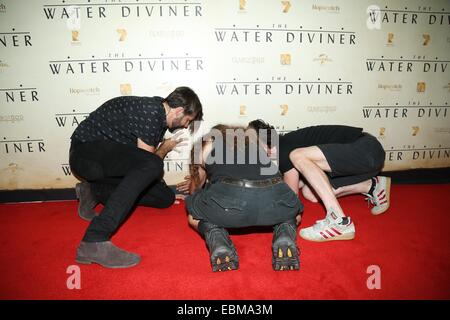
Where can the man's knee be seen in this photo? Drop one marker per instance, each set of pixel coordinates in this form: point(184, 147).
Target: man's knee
point(168, 199)
point(299, 157)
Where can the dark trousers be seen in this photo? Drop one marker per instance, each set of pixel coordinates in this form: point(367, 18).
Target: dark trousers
point(230, 206)
point(121, 177)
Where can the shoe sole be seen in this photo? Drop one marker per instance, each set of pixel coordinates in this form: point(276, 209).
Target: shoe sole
point(225, 262)
point(88, 261)
point(348, 236)
point(388, 196)
point(285, 258)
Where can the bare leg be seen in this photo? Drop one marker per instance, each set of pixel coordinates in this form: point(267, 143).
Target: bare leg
point(311, 163)
point(291, 178)
point(361, 187)
point(301, 184)
point(193, 222)
point(309, 194)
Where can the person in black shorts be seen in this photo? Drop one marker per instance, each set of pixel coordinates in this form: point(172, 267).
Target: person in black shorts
point(334, 161)
point(229, 189)
point(116, 151)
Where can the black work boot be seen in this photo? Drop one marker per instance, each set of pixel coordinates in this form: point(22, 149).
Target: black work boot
point(221, 249)
point(285, 254)
point(106, 254)
point(87, 201)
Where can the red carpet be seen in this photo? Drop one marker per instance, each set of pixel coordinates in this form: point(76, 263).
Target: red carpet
point(410, 244)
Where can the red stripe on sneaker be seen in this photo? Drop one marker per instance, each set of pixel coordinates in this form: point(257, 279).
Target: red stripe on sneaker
point(380, 193)
point(383, 202)
point(337, 232)
point(381, 198)
point(323, 235)
point(332, 235)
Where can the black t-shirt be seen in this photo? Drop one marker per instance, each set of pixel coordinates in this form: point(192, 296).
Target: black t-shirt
point(123, 120)
point(313, 136)
point(239, 161)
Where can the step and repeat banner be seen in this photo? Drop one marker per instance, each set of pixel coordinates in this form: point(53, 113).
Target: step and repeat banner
point(380, 65)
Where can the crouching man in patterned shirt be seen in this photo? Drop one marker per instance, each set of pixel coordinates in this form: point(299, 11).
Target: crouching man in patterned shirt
point(117, 152)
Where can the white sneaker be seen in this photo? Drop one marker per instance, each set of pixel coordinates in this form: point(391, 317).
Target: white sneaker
point(331, 228)
point(380, 197)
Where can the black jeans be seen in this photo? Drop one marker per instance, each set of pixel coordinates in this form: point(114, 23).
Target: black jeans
point(121, 176)
point(230, 206)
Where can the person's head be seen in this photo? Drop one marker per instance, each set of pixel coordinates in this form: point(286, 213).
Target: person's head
point(184, 108)
point(265, 132)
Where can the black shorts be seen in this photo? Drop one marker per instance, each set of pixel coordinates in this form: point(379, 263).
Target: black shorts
point(354, 162)
point(232, 206)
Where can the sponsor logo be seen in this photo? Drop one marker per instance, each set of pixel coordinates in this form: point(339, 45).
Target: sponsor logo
point(285, 59)
point(19, 95)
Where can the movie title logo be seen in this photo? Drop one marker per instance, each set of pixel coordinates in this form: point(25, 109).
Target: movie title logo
point(22, 146)
point(19, 95)
point(413, 153)
point(125, 10)
point(70, 119)
point(397, 111)
point(405, 65)
point(15, 39)
point(93, 65)
point(283, 34)
point(283, 86)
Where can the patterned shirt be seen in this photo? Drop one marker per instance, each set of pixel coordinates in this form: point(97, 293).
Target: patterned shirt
point(123, 120)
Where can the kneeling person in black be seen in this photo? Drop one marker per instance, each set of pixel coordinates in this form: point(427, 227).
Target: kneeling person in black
point(335, 161)
point(241, 193)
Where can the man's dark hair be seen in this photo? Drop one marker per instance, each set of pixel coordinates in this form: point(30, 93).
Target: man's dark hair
point(186, 97)
point(259, 125)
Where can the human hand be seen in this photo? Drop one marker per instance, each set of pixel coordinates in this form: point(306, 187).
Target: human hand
point(184, 186)
point(174, 141)
point(180, 197)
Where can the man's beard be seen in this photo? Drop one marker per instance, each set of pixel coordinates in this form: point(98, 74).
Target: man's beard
point(176, 124)
point(172, 130)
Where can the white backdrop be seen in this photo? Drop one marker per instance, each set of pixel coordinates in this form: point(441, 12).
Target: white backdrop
point(379, 65)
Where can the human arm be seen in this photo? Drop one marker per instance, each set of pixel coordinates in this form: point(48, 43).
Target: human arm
point(189, 185)
point(198, 181)
point(197, 177)
point(142, 145)
point(164, 148)
point(169, 144)
point(291, 178)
